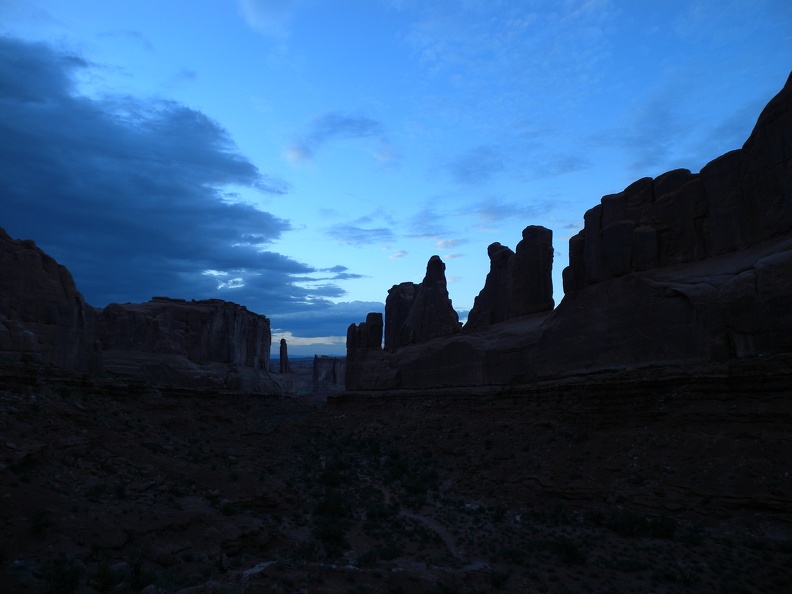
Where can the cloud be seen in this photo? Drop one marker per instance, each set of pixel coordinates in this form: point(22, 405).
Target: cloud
point(553, 163)
point(270, 17)
point(370, 229)
point(493, 210)
point(336, 126)
point(447, 244)
point(132, 195)
point(359, 236)
point(326, 318)
point(554, 47)
point(427, 224)
point(477, 165)
point(397, 254)
point(135, 37)
point(302, 346)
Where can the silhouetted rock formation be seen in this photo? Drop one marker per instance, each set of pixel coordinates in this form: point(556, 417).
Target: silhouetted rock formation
point(210, 344)
point(284, 357)
point(681, 270)
point(43, 318)
point(199, 344)
point(518, 283)
point(366, 362)
point(328, 374)
point(417, 313)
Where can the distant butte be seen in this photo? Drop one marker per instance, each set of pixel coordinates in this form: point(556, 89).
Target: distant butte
point(687, 270)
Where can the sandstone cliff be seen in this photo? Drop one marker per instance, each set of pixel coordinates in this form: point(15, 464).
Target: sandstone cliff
point(199, 344)
point(690, 269)
point(519, 283)
point(209, 344)
point(417, 313)
point(43, 318)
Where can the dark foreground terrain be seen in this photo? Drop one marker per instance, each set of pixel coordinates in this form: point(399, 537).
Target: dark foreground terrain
point(672, 483)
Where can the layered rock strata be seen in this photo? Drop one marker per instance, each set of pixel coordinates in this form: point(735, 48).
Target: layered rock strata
point(328, 374)
point(43, 317)
point(687, 269)
point(210, 343)
point(44, 320)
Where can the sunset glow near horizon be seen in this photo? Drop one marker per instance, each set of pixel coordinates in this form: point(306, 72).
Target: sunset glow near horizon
point(300, 157)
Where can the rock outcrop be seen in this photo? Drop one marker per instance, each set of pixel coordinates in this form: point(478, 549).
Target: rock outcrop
point(417, 313)
point(519, 283)
point(284, 357)
point(43, 318)
point(367, 365)
point(328, 374)
point(737, 201)
point(211, 344)
point(687, 269)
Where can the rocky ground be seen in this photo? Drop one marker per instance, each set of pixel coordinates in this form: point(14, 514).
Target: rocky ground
point(647, 485)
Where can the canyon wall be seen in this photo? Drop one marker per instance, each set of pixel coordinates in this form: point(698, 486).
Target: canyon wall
point(44, 320)
point(687, 269)
point(210, 343)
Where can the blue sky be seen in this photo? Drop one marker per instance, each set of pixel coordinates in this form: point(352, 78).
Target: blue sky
point(300, 157)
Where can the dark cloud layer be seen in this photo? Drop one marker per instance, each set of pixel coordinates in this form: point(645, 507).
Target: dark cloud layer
point(131, 195)
point(326, 318)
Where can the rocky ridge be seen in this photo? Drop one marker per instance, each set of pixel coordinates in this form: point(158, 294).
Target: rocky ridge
point(209, 344)
point(684, 269)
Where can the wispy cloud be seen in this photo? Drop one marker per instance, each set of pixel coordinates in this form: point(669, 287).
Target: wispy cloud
point(375, 228)
point(325, 318)
point(447, 244)
point(397, 254)
point(559, 44)
point(359, 236)
point(476, 166)
point(493, 210)
point(337, 126)
point(136, 37)
point(269, 17)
